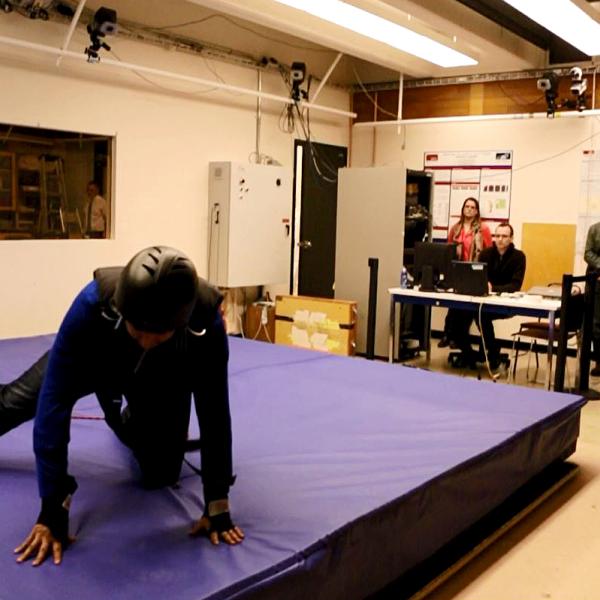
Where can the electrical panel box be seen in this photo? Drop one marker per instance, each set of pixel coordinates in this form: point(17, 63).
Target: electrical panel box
point(249, 223)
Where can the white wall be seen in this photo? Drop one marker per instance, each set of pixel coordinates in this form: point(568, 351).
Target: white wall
point(164, 141)
point(546, 192)
point(546, 163)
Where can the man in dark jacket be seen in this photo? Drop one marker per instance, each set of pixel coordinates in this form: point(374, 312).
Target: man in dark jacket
point(592, 258)
point(506, 271)
point(150, 332)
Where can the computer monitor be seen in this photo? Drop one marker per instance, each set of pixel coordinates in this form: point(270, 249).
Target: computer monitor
point(433, 265)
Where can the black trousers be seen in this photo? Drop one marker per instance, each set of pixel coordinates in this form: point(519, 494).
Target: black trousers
point(156, 435)
point(453, 324)
point(596, 325)
point(18, 399)
point(461, 323)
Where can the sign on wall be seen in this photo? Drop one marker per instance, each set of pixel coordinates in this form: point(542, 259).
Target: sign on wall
point(484, 175)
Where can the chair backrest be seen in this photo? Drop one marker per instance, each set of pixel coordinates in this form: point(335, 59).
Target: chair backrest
point(575, 312)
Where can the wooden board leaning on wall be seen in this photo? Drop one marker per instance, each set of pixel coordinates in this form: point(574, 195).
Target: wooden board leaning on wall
point(547, 260)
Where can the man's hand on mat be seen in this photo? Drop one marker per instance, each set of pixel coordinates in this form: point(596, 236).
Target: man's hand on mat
point(232, 535)
point(40, 543)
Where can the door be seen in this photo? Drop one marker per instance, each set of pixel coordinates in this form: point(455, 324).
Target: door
point(314, 220)
point(370, 225)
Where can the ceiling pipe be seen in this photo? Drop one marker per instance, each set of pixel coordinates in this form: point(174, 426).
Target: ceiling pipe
point(474, 118)
point(258, 113)
point(326, 76)
point(71, 30)
point(151, 71)
point(400, 99)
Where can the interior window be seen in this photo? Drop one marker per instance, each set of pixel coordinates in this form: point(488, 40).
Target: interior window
point(54, 184)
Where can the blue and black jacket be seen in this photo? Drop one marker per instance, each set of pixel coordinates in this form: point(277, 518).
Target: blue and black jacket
point(93, 353)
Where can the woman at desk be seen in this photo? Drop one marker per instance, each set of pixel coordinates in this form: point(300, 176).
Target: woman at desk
point(471, 236)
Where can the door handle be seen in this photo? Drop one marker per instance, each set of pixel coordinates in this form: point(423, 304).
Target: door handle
point(304, 244)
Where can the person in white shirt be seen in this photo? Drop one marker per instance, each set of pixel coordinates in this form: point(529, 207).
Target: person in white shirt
point(96, 212)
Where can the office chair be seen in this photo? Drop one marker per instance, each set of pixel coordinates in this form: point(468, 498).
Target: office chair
point(539, 330)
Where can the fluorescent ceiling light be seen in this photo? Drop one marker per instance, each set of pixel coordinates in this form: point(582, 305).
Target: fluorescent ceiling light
point(382, 30)
point(565, 19)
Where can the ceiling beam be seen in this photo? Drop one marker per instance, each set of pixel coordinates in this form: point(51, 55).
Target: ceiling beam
point(515, 21)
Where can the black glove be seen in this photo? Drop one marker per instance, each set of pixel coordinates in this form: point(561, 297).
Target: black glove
point(55, 512)
point(221, 523)
point(219, 516)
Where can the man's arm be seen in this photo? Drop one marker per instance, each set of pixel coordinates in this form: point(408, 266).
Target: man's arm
point(592, 247)
point(63, 384)
point(211, 397)
point(104, 212)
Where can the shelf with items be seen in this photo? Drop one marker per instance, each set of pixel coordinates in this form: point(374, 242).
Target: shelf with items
point(7, 181)
point(28, 192)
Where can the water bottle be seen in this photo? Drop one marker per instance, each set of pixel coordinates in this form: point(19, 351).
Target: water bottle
point(404, 278)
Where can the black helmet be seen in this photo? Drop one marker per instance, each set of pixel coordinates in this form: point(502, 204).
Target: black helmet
point(157, 290)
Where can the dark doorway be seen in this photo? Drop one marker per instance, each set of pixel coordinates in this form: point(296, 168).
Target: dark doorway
point(313, 240)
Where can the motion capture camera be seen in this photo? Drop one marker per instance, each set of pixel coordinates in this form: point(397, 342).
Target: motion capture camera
point(298, 72)
point(297, 75)
point(104, 23)
point(548, 83)
point(34, 9)
point(578, 87)
point(578, 83)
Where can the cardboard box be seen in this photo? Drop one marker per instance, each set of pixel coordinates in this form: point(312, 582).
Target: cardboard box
point(316, 323)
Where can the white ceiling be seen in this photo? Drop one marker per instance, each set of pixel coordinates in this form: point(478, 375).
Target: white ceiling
point(258, 28)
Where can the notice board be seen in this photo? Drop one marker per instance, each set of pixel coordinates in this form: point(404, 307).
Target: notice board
point(484, 175)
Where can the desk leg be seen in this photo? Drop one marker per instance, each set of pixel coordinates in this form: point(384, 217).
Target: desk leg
point(392, 329)
point(550, 350)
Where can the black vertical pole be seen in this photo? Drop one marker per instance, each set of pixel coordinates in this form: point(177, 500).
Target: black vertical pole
point(561, 352)
point(586, 334)
point(372, 315)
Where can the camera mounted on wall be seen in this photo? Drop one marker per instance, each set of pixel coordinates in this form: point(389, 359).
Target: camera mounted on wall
point(104, 23)
point(548, 83)
point(297, 76)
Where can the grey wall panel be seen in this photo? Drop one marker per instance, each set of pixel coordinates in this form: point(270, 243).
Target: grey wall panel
point(370, 223)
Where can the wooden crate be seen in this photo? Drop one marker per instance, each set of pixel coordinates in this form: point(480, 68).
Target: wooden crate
point(316, 323)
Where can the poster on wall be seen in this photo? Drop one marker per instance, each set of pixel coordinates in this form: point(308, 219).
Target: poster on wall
point(484, 175)
point(589, 203)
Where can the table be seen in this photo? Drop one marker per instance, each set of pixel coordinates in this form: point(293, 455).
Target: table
point(505, 304)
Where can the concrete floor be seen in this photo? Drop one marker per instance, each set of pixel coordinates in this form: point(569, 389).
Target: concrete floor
point(551, 553)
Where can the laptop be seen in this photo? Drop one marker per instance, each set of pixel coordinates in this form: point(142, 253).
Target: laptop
point(470, 278)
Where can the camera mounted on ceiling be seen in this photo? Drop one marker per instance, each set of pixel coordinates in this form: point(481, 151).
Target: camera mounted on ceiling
point(34, 9)
point(104, 23)
point(297, 76)
point(548, 83)
point(578, 87)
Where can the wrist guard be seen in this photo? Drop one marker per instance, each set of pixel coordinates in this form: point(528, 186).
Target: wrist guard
point(55, 512)
point(219, 516)
point(221, 522)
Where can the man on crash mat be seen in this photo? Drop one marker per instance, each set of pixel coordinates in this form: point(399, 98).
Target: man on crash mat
point(151, 333)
